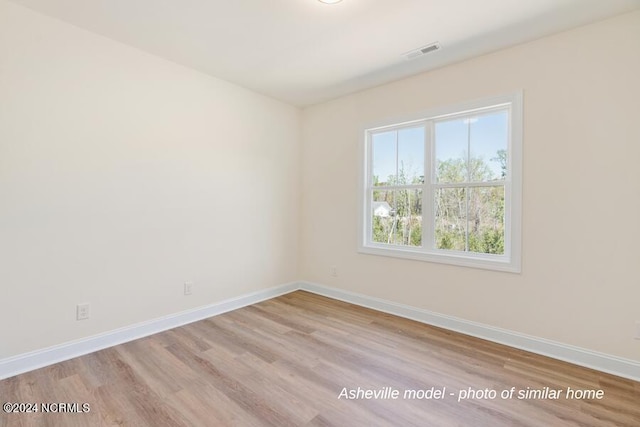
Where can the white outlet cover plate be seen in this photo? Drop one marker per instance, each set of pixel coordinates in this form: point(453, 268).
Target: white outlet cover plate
point(82, 311)
point(188, 288)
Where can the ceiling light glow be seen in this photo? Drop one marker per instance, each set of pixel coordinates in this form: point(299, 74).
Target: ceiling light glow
point(330, 1)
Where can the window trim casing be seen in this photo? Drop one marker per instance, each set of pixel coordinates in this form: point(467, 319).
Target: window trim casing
point(511, 261)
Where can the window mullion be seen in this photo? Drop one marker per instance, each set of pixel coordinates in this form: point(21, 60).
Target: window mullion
point(398, 187)
point(470, 184)
point(466, 189)
point(466, 208)
point(397, 157)
point(428, 194)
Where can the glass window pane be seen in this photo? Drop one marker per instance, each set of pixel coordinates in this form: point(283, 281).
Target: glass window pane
point(409, 217)
point(396, 217)
point(450, 219)
point(384, 147)
point(486, 220)
point(411, 155)
point(472, 148)
point(382, 217)
point(451, 147)
point(489, 137)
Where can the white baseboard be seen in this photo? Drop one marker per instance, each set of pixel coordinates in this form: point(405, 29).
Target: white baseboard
point(579, 356)
point(602, 362)
point(48, 356)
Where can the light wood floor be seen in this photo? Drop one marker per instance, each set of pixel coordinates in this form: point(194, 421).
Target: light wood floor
point(284, 362)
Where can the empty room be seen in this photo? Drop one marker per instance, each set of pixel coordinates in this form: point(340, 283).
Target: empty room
point(319, 213)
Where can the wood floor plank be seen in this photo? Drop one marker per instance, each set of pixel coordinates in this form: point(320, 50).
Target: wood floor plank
point(286, 361)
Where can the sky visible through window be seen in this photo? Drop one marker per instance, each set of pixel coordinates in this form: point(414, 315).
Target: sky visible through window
point(487, 133)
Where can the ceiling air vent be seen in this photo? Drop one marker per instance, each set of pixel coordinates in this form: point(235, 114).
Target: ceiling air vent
point(422, 50)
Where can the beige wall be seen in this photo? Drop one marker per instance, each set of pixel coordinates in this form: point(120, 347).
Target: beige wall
point(122, 176)
point(580, 281)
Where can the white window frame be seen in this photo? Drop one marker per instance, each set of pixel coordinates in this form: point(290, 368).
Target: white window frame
point(510, 261)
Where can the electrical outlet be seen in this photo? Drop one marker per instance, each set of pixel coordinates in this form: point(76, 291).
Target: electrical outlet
point(188, 288)
point(82, 311)
point(333, 271)
point(637, 330)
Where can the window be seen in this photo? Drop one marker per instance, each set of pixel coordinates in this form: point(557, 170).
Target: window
point(446, 186)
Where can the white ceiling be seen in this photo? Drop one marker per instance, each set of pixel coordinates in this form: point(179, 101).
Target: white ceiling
point(304, 52)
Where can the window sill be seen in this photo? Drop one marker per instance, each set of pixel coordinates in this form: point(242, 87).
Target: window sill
point(486, 262)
